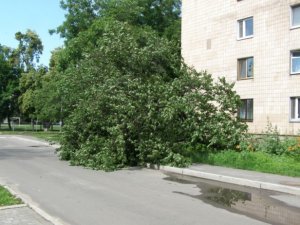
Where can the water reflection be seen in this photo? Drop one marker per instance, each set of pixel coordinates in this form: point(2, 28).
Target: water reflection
point(251, 202)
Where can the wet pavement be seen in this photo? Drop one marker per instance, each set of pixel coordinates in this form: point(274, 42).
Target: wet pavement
point(267, 206)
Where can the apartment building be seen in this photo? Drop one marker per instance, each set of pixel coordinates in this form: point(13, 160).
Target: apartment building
point(256, 44)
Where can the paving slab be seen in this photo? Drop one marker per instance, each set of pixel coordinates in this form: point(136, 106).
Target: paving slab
point(21, 216)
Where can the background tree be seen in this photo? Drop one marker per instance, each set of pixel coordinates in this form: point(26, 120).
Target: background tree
point(9, 75)
point(163, 16)
point(29, 49)
point(29, 85)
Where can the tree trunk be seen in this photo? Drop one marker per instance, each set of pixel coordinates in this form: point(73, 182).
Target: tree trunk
point(9, 122)
point(32, 124)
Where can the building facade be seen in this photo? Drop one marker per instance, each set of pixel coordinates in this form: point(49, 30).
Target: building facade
point(256, 44)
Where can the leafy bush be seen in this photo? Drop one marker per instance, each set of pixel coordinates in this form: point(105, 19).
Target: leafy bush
point(272, 143)
point(137, 103)
point(292, 147)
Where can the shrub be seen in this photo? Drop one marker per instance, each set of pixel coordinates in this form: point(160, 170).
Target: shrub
point(140, 104)
point(292, 147)
point(272, 143)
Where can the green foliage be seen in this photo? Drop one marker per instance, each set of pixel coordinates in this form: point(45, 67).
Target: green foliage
point(7, 199)
point(161, 16)
point(272, 143)
point(29, 50)
point(29, 84)
point(137, 103)
point(9, 75)
point(14, 62)
point(176, 159)
point(257, 161)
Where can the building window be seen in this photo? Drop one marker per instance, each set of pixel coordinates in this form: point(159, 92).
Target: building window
point(245, 28)
point(295, 16)
point(295, 62)
point(245, 112)
point(245, 68)
point(295, 109)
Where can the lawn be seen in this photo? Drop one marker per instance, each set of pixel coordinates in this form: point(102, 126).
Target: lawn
point(50, 136)
point(256, 161)
point(7, 199)
point(26, 127)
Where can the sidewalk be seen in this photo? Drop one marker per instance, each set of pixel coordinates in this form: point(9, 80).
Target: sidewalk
point(266, 181)
point(21, 215)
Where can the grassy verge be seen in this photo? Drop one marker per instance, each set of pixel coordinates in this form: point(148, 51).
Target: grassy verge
point(7, 199)
point(27, 127)
point(257, 161)
point(50, 136)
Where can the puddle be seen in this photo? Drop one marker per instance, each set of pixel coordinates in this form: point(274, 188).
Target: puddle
point(267, 206)
point(39, 146)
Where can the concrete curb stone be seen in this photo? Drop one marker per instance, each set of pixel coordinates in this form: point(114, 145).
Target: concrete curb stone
point(232, 180)
point(33, 206)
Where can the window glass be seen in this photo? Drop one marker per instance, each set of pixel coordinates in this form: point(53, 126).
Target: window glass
point(245, 27)
point(293, 105)
point(249, 27)
point(242, 111)
point(296, 16)
point(249, 109)
point(295, 62)
point(241, 31)
point(250, 67)
point(298, 108)
point(246, 110)
point(243, 68)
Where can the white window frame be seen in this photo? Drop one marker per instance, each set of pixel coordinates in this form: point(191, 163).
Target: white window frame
point(244, 28)
point(291, 59)
point(239, 70)
point(297, 116)
point(292, 16)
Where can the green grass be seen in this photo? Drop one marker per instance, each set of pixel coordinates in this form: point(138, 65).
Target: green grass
point(50, 136)
point(7, 199)
point(257, 161)
point(26, 127)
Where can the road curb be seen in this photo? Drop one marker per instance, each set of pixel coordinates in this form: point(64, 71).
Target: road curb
point(232, 180)
point(13, 207)
point(28, 202)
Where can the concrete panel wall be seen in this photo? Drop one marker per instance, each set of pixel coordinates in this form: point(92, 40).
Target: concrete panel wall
point(209, 42)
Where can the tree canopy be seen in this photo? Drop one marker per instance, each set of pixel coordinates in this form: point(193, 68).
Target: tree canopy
point(16, 64)
point(163, 16)
point(121, 89)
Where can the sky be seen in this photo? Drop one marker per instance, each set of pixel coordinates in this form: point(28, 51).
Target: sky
point(37, 15)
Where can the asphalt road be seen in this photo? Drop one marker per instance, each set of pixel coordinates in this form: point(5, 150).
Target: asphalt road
point(81, 196)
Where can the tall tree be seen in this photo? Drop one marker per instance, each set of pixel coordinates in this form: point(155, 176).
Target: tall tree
point(163, 16)
point(80, 15)
point(29, 49)
point(28, 53)
point(29, 84)
point(9, 75)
